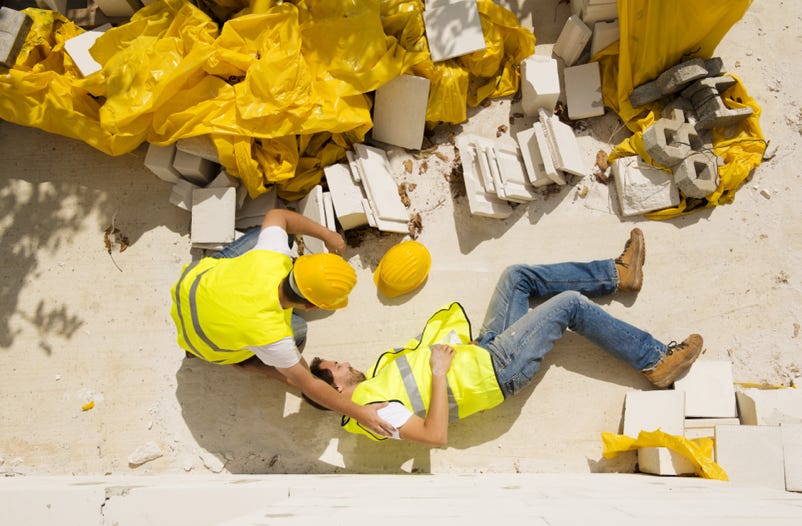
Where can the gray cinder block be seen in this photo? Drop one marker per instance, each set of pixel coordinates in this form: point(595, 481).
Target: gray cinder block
point(697, 175)
point(669, 142)
point(14, 28)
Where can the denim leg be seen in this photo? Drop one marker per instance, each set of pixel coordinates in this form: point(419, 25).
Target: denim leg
point(237, 248)
point(518, 352)
point(519, 283)
point(299, 331)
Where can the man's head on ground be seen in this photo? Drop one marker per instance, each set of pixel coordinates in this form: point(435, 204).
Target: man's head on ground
point(320, 280)
point(339, 375)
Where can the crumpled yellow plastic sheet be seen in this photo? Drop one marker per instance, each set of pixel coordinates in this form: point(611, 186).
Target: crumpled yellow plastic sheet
point(283, 89)
point(698, 450)
point(656, 36)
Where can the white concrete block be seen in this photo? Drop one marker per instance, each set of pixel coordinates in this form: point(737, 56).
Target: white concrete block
point(399, 111)
point(399, 227)
point(356, 170)
point(181, 194)
point(545, 147)
point(78, 50)
point(706, 427)
point(563, 145)
point(572, 40)
point(663, 461)
point(195, 169)
point(792, 454)
point(14, 28)
point(213, 212)
point(533, 161)
point(540, 84)
point(641, 187)
point(595, 12)
point(453, 30)
point(252, 212)
point(480, 202)
point(583, 92)
point(380, 187)
point(652, 410)
point(513, 175)
point(346, 196)
point(328, 211)
point(770, 407)
point(751, 455)
point(200, 146)
point(709, 390)
point(604, 34)
point(312, 207)
point(118, 7)
point(159, 160)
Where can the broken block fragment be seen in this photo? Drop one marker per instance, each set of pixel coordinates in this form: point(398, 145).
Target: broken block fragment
point(642, 188)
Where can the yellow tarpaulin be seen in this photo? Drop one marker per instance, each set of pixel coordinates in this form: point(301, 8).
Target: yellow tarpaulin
point(282, 88)
point(699, 450)
point(656, 36)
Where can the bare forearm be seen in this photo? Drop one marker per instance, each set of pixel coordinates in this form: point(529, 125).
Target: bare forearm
point(436, 422)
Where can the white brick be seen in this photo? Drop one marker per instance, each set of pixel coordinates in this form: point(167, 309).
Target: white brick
point(770, 406)
point(792, 453)
point(480, 202)
point(200, 146)
point(709, 390)
point(195, 169)
point(545, 147)
point(159, 160)
point(533, 160)
point(652, 410)
point(641, 187)
point(312, 207)
point(78, 50)
point(583, 91)
point(663, 461)
point(181, 194)
point(572, 40)
point(540, 84)
point(380, 187)
point(213, 215)
point(604, 34)
point(751, 455)
point(399, 111)
point(453, 30)
point(594, 12)
point(252, 212)
point(346, 196)
point(706, 427)
point(563, 145)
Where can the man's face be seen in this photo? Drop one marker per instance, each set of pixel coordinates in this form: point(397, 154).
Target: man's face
point(344, 374)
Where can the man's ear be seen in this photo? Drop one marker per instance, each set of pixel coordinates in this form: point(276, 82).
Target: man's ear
point(339, 389)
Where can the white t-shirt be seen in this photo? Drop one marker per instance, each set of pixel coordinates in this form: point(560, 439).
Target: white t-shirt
point(282, 353)
point(396, 414)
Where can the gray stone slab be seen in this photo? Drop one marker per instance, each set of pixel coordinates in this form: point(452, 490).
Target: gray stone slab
point(676, 78)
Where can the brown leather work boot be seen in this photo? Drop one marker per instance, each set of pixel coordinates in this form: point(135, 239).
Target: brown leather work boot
point(677, 359)
point(630, 262)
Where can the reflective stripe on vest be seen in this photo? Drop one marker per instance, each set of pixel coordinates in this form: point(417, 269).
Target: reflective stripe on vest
point(413, 392)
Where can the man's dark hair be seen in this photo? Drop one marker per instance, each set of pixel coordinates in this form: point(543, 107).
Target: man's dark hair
point(323, 374)
point(292, 296)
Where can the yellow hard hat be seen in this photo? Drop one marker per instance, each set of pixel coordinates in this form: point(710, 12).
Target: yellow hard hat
point(402, 269)
point(324, 279)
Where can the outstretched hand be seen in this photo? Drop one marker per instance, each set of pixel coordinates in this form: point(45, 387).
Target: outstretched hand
point(335, 243)
point(440, 360)
point(370, 418)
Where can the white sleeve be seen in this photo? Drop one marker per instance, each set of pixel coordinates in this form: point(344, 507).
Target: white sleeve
point(275, 239)
point(396, 414)
point(282, 353)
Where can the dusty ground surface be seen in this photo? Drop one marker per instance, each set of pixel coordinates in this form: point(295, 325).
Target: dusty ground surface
point(78, 325)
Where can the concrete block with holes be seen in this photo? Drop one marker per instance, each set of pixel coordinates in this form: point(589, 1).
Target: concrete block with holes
point(668, 141)
point(573, 38)
point(697, 174)
point(14, 28)
point(709, 389)
point(540, 84)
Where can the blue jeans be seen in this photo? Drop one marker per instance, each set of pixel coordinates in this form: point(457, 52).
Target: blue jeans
point(237, 248)
point(518, 338)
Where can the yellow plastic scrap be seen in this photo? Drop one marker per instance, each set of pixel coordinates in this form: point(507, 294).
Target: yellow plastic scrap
point(698, 450)
point(87, 406)
point(651, 43)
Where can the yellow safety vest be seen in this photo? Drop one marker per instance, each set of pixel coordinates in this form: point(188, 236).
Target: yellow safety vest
point(404, 375)
point(223, 306)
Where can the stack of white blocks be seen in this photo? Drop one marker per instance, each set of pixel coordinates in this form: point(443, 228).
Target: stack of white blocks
point(761, 447)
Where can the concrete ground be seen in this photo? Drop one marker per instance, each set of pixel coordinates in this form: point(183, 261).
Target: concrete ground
point(78, 324)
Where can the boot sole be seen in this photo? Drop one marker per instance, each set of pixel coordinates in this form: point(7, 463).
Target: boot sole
point(640, 248)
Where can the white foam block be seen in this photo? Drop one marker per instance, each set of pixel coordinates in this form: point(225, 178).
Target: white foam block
point(540, 84)
point(453, 30)
point(399, 111)
point(78, 49)
point(709, 390)
point(583, 91)
point(213, 212)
